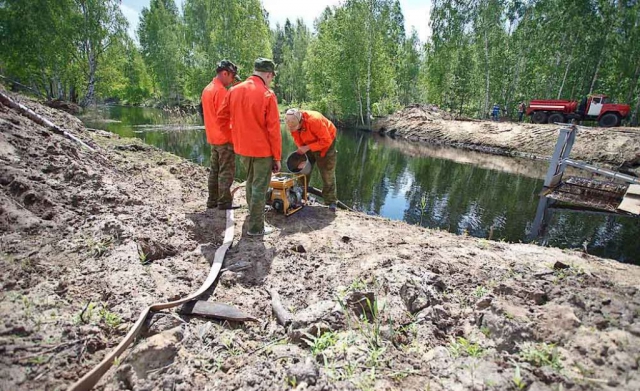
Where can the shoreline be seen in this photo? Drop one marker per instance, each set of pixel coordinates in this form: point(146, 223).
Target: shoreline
point(616, 148)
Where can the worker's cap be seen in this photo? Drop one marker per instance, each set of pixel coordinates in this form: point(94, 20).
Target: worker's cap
point(264, 65)
point(226, 65)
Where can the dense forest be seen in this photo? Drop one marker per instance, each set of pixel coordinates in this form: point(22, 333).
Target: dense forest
point(356, 62)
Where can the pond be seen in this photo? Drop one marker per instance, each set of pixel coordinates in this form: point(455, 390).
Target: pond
point(463, 192)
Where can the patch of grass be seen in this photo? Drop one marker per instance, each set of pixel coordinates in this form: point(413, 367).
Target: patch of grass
point(345, 372)
point(483, 244)
point(561, 274)
point(320, 343)
point(461, 345)
point(98, 246)
point(291, 381)
point(357, 285)
point(109, 318)
point(117, 361)
point(541, 355)
point(37, 360)
point(143, 258)
point(486, 331)
point(227, 341)
point(375, 357)
point(480, 291)
point(399, 375)
point(423, 206)
point(517, 379)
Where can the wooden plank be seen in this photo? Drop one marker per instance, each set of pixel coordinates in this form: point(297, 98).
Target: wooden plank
point(630, 203)
point(634, 189)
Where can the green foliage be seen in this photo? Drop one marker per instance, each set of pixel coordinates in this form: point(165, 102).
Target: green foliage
point(109, 318)
point(357, 63)
point(542, 354)
point(490, 51)
point(480, 291)
point(517, 380)
point(319, 343)
point(461, 345)
point(236, 30)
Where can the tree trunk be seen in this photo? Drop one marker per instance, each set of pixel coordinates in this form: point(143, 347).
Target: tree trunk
point(486, 58)
point(359, 97)
point(564, 78)
point(369, 58)
point(636, 112)
point(91, 85)
point(73, 94)
point(595, 75)
point(634, 83)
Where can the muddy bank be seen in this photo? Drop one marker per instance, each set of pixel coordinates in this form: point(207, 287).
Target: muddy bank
point(89, 239)
point(616, 147)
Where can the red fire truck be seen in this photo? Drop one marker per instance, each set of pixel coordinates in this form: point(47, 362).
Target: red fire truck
point(591, 108)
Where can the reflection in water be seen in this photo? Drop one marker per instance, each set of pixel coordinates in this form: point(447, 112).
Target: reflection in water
point(459, 191)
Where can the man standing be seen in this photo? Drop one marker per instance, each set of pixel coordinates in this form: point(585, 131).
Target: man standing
point(521, 108)
point(315, 136)
point(250, 112)
point(495, 112)
point(223, 165)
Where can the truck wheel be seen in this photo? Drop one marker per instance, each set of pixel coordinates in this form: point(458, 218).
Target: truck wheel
point(556, 117)
point(539, 117)
point(609, 119)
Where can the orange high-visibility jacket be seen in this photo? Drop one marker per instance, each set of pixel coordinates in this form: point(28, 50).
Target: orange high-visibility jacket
point(250, 110)
point(212, 97)
point(316, 132)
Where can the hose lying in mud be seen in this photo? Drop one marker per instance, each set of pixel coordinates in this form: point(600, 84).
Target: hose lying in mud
point(90, 379)
point(318, 192)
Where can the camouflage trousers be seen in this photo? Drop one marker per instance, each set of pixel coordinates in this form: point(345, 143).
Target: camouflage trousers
point(223, 169)
point(258, 179)
point(327, 168)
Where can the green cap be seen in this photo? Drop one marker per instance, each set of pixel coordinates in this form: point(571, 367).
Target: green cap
point(226, 65)
point(264, 65)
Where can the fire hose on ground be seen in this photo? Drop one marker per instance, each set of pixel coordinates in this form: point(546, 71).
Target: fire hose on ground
point(88, 381)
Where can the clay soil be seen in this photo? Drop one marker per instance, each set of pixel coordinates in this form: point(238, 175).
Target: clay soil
point(615, 147)
point(90, 238)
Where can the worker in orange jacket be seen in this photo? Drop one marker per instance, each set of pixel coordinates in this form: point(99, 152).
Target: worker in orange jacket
point(223, 163)
point(250, 113)
point(315, 136)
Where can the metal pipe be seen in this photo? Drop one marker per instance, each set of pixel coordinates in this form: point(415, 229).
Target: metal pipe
point(601, 171)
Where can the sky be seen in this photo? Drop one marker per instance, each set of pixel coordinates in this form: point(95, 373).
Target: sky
point(416, 12)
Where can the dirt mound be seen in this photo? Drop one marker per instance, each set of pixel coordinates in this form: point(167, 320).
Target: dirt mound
point(69, 107)
point(90, 238)
point(617, 147)
point(421, 112)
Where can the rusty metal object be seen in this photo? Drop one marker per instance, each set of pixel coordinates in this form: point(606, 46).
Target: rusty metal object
point(216, 311)
point(589, 193)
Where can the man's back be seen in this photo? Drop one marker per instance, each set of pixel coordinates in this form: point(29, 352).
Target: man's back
point(251, 111)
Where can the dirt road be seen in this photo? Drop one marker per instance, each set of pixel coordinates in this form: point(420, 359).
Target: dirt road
point(615, 147)
point(89, 239)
